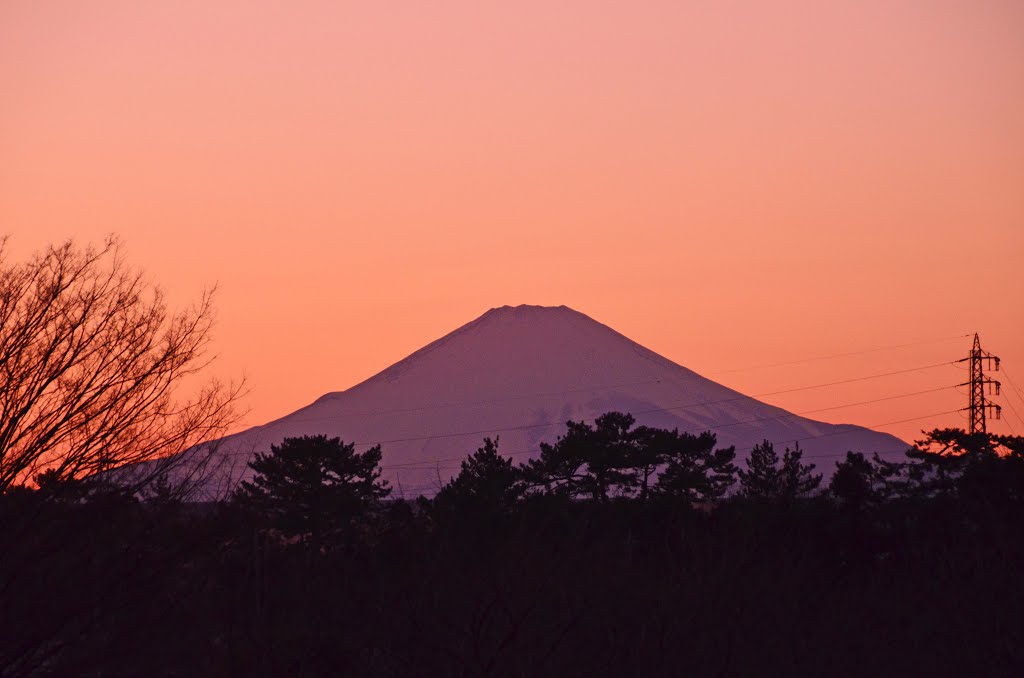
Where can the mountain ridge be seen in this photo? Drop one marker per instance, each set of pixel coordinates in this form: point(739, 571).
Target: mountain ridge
point(518, 373)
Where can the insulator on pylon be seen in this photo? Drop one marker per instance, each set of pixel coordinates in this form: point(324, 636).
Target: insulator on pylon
point(997, 387)
point(997, 366)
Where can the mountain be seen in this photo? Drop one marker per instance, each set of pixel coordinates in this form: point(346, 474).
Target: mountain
point(519, 373)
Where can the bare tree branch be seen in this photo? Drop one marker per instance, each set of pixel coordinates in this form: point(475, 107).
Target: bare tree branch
point(91, 365)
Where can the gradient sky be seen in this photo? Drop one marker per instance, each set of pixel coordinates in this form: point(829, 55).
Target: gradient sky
point(731, 184)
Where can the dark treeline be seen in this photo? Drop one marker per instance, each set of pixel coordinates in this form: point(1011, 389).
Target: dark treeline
point(618, 550)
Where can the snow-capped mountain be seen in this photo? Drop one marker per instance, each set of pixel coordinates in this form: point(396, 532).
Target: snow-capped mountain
point(519, 373)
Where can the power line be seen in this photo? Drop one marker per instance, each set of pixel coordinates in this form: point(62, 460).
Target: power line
point(830, 455)
point(890, 423)
point(547, 424)
point(798, 414)
point(653, 381)
point(417, 465)
point(840, 355)
point(709, 427)
point(878, 400)
point(1013, 384)
point(486, 402)
point(850, 381)
point(436, 462)
point(588, 390)
point(1009, 402)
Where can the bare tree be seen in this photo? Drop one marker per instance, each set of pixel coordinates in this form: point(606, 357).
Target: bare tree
point(91, 367)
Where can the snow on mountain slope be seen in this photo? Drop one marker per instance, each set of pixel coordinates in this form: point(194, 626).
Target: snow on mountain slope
point(519, 373)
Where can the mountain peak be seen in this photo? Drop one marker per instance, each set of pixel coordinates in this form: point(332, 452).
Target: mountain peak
point(528, 310)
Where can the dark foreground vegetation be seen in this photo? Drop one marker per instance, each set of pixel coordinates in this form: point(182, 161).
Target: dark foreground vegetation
point(584, 562)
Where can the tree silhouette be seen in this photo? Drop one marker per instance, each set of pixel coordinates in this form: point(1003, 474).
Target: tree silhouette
point(769, 478)
point(856, 481)
point(558, 469)
point(977, 466)
point(486, 484)
point(694, 469)
point(612, 458)
point(313, 485)
point(608, 451)
point(647, 456)
point(593, 461)
point(91, 361)
point(761, 479)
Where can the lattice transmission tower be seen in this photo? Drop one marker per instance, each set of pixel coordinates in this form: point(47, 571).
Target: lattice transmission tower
point(979, 407)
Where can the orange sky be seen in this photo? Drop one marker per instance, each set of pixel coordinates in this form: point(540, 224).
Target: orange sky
point(728, 183)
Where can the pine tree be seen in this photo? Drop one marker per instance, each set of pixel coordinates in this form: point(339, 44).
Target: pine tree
point(978, 466)
point(769, 478)
point(588, 461)
point(856, 481)
point(761, 479)
point(487, 483)
point(694, 469)
point(314, 485)
point(798, 480)
point(608, 451)
point(647, 455)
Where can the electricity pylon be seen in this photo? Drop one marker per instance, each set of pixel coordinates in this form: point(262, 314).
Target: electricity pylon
point(978, 405)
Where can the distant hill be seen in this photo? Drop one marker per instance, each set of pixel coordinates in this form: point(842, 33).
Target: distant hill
point(520, 373)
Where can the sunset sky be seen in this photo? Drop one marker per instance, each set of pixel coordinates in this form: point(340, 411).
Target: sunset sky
point(731, 184)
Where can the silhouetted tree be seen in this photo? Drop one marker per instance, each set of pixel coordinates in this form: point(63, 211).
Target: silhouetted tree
point(761, 479)
point(612, 458)
point(694, 469)
point(979, 466)
point(587, 460)
point(944, 455)
point(856, 481)
point(313, 485)
point(647, 456)
point(767, 478)
point(608, 451)
point(558, 469)
point(54, 487)
point(91, 361)
point(487, 483)
point(1013, 445)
